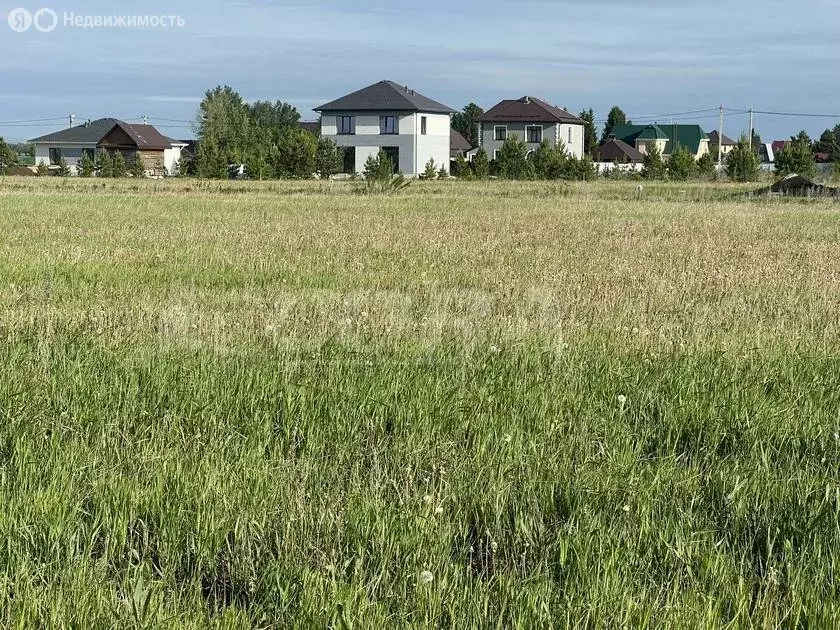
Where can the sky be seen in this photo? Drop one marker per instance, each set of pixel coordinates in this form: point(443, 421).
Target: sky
point(656, 59)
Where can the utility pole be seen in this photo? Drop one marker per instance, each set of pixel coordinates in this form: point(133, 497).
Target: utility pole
point(72, 116)
point(720, 141)
point(145, 119)
point(751, 128)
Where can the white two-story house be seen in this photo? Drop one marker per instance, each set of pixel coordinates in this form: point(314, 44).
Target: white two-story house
point(409, 127)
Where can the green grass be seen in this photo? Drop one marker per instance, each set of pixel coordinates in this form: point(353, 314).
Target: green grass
point(237, 405)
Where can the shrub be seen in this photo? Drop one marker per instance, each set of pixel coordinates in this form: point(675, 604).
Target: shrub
point(796, 157)
point(295, 157)
point(380, 178)
point(86, 167)
point(328, 158)
point(42, 169)
point(653, 165)
point(742, 164)
point(63, 168)
point(706, 167)
point(443, 173)
point(138, 167)
point(481, 165)
point(430, 172)
point(461, 167)
point(104, 165)
point(118, 167)
point(513, 159)
point(681, 165)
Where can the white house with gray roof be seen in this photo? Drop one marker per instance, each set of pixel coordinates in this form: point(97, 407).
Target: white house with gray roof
point(409, 127)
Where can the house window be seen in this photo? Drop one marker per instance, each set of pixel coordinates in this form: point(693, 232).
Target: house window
point(570, 135)
point(55, 156)
point(349, 161)
point(388, 125)
point(495, 154)
point(500, 133)
point(346, 125)
point(422, 125)
point(534, 133)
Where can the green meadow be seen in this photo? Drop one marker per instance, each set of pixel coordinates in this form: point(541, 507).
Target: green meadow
point(469, 405)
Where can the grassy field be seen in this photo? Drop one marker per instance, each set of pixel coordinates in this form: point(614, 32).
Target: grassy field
point(233, 405)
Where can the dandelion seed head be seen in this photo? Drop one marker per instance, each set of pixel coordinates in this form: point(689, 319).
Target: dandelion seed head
point(426, 577)
point(626, 508)
point(439, 510)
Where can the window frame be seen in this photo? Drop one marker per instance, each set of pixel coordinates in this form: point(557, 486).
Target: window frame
point(495, 154)
point(423, 125)
point(351, 125)
point(383, 126)
point(55, 155)
point(496, 137)
point(528, 135)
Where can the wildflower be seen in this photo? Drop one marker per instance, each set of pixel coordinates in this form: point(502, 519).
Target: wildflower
point(427, 499)
point(494, 546)
point(626, 508)
point(442, 471)
point(622, 400)
point(508, 438)
point(495, 349)
point(439, 510)
point(426, 577)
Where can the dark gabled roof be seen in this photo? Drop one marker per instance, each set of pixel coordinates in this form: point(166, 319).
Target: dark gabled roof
point(385, 96)
point(615, 150)
point(687, 136)
point(529, 109)
point(86, 133)
point(727, 141)
point(458, 143)
point(145, 136)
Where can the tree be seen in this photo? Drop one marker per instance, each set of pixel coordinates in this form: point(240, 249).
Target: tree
point(138, 167)
point(8, 157)
point(328, 158)
point(295, 157)
point(119, 168)
point(224, 133)
point(803, 138)
point(681, 165)
point(796, 157)
point(104, 165)
point(461, 167)
point(379, 167)
point(42, 170)
point(430, 172)
point(742, 165)
point(590, 133)
point(550, 162)
point(513, 159)
point(481, 165)
point(86, 166)
point(829, 143)
point(756, 142)
point(442, 172)
point(63, 168)
point(465, 122)
point(653, 167)
point(706, 166)
point(614, 118)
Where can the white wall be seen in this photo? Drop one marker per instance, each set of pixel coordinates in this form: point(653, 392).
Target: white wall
point(72, 153)
point(575, 145)
point(415, 149)
point(435, 144)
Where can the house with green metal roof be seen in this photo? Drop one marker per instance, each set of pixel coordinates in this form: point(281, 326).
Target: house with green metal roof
point(666, 137)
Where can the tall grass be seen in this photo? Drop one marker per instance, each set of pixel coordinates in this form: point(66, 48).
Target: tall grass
point(472, 405)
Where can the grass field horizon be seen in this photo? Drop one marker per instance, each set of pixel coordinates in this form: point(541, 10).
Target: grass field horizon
point(527, 405)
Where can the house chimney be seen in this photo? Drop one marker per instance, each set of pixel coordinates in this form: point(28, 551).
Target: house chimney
point(406, 89)
point(527, 100)
point(412, 93)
